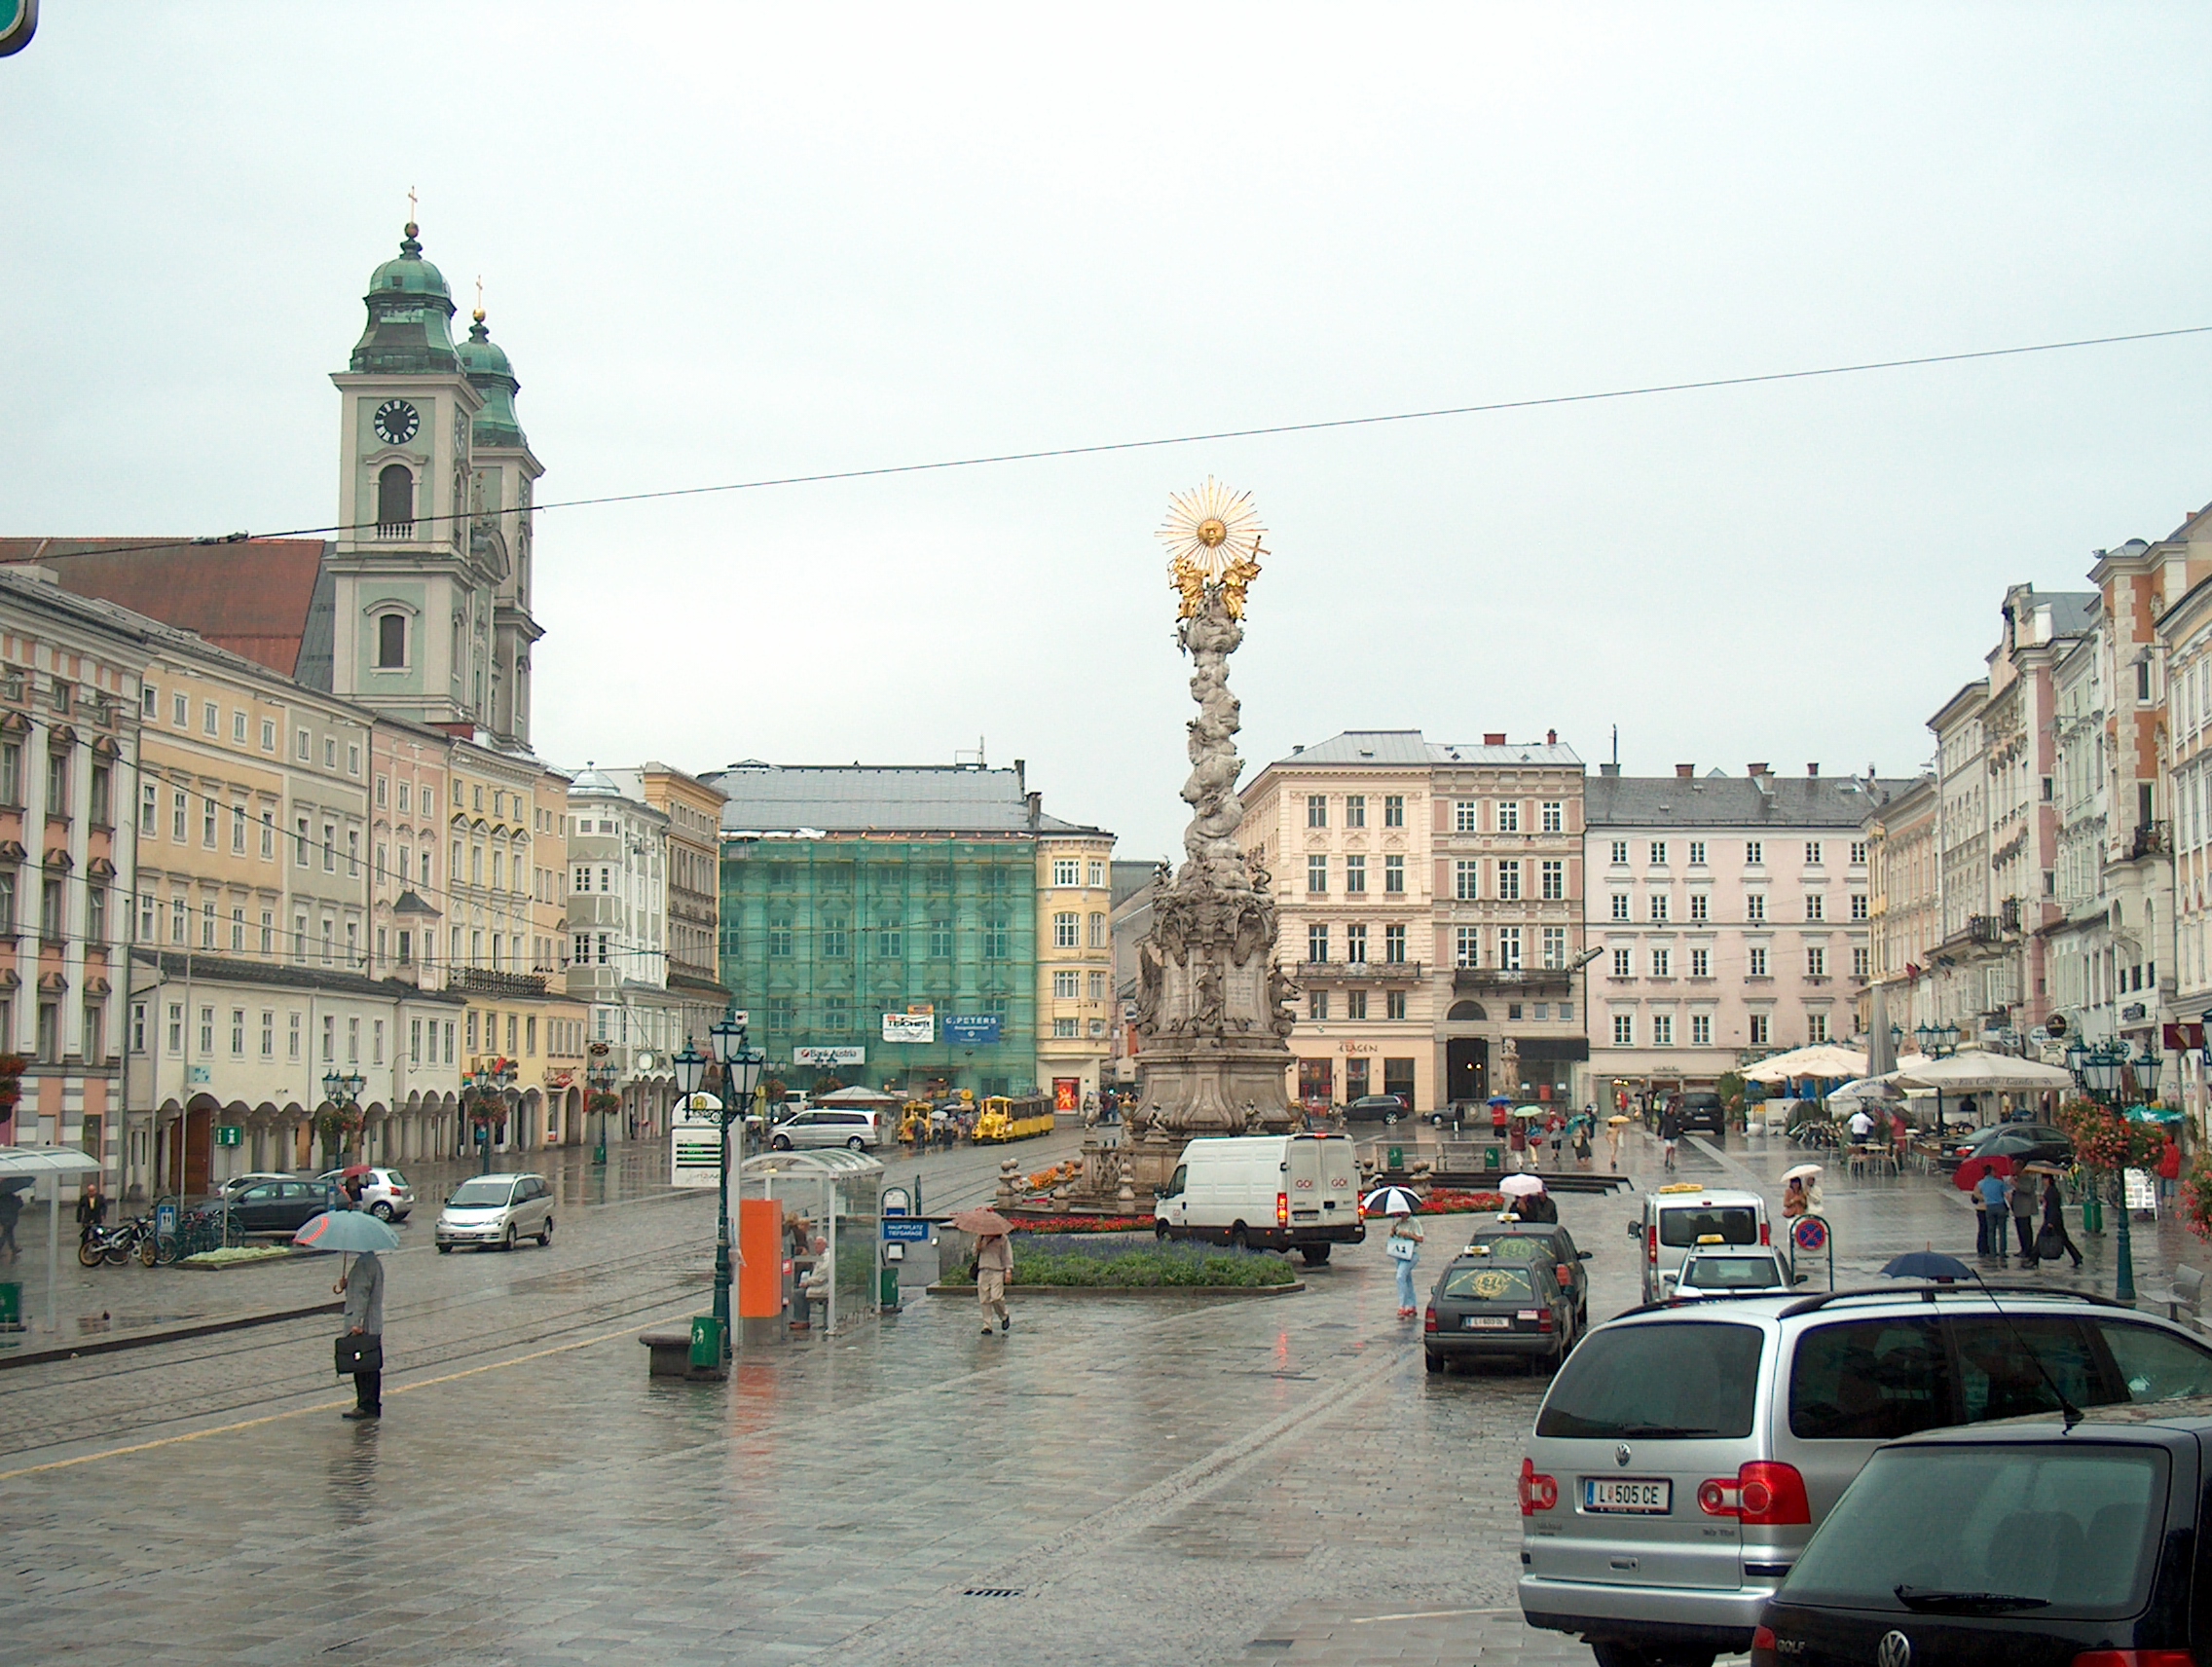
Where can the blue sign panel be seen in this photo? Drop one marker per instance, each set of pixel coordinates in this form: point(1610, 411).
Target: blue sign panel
point(972, 1030)
point(897, 1230)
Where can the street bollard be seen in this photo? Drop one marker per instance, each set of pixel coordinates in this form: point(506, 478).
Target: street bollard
point(888, 1290)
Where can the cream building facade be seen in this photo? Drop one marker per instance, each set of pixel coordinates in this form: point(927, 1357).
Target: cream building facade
point(1075, 959)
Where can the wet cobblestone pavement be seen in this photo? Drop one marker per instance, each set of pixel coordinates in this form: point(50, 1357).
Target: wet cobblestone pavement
point(1118, 1480)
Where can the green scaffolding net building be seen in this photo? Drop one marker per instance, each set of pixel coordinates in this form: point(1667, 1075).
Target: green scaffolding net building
point(853, 893)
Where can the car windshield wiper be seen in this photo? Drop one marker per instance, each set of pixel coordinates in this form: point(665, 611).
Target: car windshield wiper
point(1925, 1598)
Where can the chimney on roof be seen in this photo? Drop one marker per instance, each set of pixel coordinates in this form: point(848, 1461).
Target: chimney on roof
point(1683, 773)
point(1036, 808)
point(1296, 748)
point(1611, 769)
point(1758, 769)
point(1494, 740)
point(1550, 737)
point(1812, 769)
point(1022, 773)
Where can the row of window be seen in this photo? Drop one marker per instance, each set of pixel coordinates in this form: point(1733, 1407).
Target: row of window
point(1699, 962)
point(1355, 944)
point(1755, 853)
point(54, 908)
point(430, 1033)
point(1506, 879)
point(211, 725)
point(1318, 1004)
point(1659, 1029)
point(1659, 905)
point(833, 937)
point(1506, 947)
point(1355, 810)
point(1506, 816)
point(894, 879)
point(58, 773)
point(1069, 872)
point(1355, 876)
point(1069, 986)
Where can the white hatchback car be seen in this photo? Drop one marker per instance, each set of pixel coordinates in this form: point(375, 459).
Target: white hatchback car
point(385, 1193)
point(496, 1210)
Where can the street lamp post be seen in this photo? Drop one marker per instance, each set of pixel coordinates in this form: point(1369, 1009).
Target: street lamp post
point(741, 1075)
point(488, 1085)
point(599, 1081)
point(2098, 1070)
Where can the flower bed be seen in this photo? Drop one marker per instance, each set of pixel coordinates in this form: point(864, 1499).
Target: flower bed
point(1446, 1201)
point(1062, 1260)
point(237, 1255)
point(1082, 1223)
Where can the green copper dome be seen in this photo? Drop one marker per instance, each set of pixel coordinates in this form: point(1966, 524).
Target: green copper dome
point(485, 363)
point(409, 306)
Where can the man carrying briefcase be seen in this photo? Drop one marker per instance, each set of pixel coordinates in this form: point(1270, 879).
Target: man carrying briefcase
point(360, 1347)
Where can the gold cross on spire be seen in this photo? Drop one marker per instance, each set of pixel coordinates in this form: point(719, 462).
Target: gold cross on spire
point(410, 203)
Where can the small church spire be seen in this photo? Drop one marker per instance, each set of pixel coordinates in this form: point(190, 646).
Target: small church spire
point(478, 314)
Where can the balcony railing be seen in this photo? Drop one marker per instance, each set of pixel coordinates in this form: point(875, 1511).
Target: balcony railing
point(1512, 978)
point(485, 982)
point(1359, 972)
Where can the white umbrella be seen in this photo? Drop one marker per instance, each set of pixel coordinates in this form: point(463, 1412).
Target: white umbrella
point(1390, 1201)
point(1823, 1059)
point(1979, 1072)
point(1800, 1172)
point(57, 1162)
point(1520, 1186)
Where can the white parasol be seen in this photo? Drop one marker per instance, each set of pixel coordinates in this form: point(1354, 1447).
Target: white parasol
point(1520, 1186)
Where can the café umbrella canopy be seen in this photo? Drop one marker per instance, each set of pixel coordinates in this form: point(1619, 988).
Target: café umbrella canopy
point(1825, 1061)
point(52, 1161)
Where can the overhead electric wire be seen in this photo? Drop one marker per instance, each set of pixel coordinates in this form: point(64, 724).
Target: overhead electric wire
point(1320, 425)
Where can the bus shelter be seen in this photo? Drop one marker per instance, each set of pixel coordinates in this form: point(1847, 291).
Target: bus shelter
point(838, 1191)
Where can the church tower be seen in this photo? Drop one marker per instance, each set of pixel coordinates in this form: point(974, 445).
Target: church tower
point(502, 482)
point(415, 592)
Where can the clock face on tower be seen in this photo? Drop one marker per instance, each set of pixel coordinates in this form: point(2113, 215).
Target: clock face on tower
point(396, 422)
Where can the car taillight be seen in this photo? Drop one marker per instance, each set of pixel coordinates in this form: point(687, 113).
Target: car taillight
point(1545, 1323)
point(1538, 1492)
point(1762, 1648)
point(1283, 1209)
point(1763, 1493)
point(2135, 1658)
point(1765, 1234)
point(1565, 1275)
point(1428, 1319)
point(1651, 1246)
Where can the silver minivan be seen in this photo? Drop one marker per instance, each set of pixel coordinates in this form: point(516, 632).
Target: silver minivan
point(827, 1127)
point(1685, 1455)
point(497, 1209)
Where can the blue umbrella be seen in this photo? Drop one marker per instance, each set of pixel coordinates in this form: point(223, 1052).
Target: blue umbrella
point(1497, 1099)
point(1927, 1265)
point(346, 1230)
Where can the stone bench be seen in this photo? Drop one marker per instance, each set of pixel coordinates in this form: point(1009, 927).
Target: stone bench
point(2184, 1299)
point(671, 1352)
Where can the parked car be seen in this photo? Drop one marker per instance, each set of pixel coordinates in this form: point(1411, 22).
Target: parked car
point(237, 1184)
point(1512, 1239)
point(497, 1209)
point(2051, 1145)
point(1376, 1108)
point(2044, 1543)
point(1702, 1109)
point(1496, 1307)
point(1684, 1214)
point(1462, 1114)
point(1276, 1192)
point(385, 1193)
point(1719, 1270)
point(824, 1127)
point(274, 1204)
point(1684, 1456)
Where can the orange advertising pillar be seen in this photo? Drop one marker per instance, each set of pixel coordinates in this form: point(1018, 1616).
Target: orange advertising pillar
point(760, 1242)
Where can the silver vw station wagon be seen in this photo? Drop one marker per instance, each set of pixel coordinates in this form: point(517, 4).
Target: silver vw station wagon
point(1685, 1455)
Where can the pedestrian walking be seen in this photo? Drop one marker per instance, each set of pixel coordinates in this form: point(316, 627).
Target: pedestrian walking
point(1404, 1245)
point(362, 1287)
point(2024, 1201)
point(11, 1213)
point(1862, 1128)
point(994, 1263)
point(2169, 1172)
point(91, 1210)
point(1615, 1128)
point(1516, 1143)
point(1793, 1201)
point(1994, 1192)
point(2056, 1238)
point(1498, 1121)
point(1669, 1131)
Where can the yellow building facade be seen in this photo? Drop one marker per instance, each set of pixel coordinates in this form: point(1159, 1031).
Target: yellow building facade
point(1075, 959)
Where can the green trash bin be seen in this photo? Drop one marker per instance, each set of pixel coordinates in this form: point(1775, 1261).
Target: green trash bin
point(887, 1292)
point(1394, 1157)
point(1494, 1158)
point(10, 1306)
point(706, 1340)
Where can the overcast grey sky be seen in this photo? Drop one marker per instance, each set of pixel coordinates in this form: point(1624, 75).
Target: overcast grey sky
point(724, 242)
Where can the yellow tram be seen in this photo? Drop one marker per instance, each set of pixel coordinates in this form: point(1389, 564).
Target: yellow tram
point(1006, 1119)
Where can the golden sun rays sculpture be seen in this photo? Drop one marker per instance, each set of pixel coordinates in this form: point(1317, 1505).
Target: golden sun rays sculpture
point(1213, 538)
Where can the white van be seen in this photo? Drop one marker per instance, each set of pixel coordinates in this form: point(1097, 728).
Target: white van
point(1279, 1192)
point(1685, 1214)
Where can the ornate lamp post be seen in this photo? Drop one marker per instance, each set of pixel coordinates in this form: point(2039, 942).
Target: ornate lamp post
point(342, 1089)
point(2098, 1070)
point(599, 1080)
point(488, 1087)
point(741, 1075)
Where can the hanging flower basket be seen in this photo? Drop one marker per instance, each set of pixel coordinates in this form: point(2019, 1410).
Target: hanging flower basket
point(336, 1120)
point(2105, 1140)
point(605, 1105)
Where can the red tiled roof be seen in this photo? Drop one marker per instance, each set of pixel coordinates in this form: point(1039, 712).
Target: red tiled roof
point(249, 597)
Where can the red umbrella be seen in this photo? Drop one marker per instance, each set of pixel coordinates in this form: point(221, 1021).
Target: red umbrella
point(353, 1170)
point(1970, 1172)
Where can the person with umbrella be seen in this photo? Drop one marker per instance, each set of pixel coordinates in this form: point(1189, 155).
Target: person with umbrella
point(1526, 1198)
point(1616, 1125)
point(1801, 1190)
point(995, 1262)
point(360, 1345)
point(1404, 1245)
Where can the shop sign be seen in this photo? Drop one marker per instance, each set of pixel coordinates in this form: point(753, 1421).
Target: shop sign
point(973, 1030)
point(820, 1058)
point(909, 1027)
